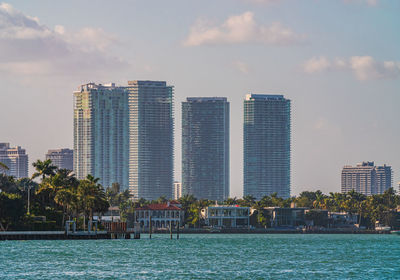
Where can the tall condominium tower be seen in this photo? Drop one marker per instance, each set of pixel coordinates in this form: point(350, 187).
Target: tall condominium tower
point(15, 159)
point(266, 145)
point(151, 145)
point(62, 158)
point(205, 148)
point(366, 178)
point(101, 138)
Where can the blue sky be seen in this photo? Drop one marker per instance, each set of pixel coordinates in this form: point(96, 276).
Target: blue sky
point(337, 60)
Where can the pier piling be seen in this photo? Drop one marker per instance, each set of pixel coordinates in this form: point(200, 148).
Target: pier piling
point(150, 227)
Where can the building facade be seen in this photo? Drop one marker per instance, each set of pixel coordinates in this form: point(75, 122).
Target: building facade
point(16, 159)
point(177, 190)
point(160, 215)
point(284, 217)
point(62, 158)
point(266, 140)
point(151, 139)
point(101, 138)
point(366, 178)
point(205, 148)
point(125, 135)
point(226, 216)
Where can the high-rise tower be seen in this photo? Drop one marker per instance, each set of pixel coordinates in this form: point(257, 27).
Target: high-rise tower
point(266, 145)
point(205, 148)
point(101, 138)
point(151, 145)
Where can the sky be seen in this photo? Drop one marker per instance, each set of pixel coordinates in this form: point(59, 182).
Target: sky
point(337, 60)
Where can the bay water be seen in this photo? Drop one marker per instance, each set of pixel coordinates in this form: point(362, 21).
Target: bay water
point(206, 256)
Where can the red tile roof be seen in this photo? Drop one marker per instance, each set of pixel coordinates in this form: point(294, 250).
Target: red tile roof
point(159, 207)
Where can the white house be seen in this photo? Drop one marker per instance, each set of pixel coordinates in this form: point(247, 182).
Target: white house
point(226, 216)
point(161, 215)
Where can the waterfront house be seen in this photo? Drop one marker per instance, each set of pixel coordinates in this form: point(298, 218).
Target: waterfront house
point(343, 219)
point(226, 216)
point(317, 217)
point(284, 216)
point(162, 215)
point(113, 214)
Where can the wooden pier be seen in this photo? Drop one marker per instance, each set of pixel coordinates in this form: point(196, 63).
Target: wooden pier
point(52, 235)
point(113, 230)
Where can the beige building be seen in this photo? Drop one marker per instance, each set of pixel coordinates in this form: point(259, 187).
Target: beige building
point(177, 190)
point(366, 178)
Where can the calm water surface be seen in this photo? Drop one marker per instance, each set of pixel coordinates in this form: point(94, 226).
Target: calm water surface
point(211, 256)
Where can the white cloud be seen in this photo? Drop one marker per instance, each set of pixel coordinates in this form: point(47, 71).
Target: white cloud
point(363, 67)
point(366, 68)
point(317, 64)
point(29, 47)
point(241, 29)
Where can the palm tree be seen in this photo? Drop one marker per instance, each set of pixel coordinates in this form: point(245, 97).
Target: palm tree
point(319, 201)
point(91, 197)
point(67, 199)
point(92, 179)
point(248, 200)
point(3, 166)
point(187, 201)
point(161, 200)
point(277, 201)
point(353, 201)
point(231, 201)
point(265, 201)
point(338, 201)
point(44, 169)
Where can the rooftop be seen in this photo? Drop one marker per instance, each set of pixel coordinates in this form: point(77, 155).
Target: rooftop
point(252, 96)
point(147, 83)
point(227, 206)
point(159, 206)
point(205, 99)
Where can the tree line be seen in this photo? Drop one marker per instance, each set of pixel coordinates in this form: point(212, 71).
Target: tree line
point(369, 209)
point(29, 205)
point(56, 195)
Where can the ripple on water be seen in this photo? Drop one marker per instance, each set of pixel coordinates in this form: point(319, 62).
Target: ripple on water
point(207, 257)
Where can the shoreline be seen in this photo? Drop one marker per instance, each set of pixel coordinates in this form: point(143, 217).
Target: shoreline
point(61, 235)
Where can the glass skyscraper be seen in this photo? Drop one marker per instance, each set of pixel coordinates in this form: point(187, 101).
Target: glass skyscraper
point(101, 138)
point(125, 135)
point(205, 148)
point(151, 134)
point(266, 145)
